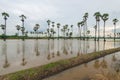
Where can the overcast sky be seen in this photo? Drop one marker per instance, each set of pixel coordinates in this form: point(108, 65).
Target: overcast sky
point(62, 11)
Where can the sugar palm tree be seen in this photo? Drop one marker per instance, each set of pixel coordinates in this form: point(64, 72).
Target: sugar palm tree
point(18, 28)
point(5, 16)
point(72, 30)
point(85, 24)
point(36, 27)
point(114, 23)
point(53, 25)
point(23, 17)
point(97, 17)
point(65, 28)
point(58, 26)
point(104, 17)
point(80, 24)
point(48, 22)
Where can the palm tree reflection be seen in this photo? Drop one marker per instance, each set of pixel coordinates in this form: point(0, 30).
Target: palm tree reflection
point(114, 58)
point(97, 64)
point(64, 48)
point(104, 63)
point(78, 54)
point(18, 47)
point(6, 64)
point(48, 57)
point(71, 46)
point(95, 46)
point(53, 48)
point(98, 45)
point(58, 52)
point(104, 45)
point(24, 62)
point(37, 48)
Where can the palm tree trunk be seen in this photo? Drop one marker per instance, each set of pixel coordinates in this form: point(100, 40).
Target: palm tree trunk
point(86, 30)
point(114, 31)
point(64, 34)
point(23, 30)
point(104, 31)
point(58, 33)
point(98, 30)
point(72, 33)
point(48, 31)
point(5, 31)
point(79, 31)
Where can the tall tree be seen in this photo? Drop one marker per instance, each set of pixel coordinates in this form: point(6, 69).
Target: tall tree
point(23, 17)
point(5, 16)
point(36, 27)
point(85, 24)
point(58, 26)
point(18, 28)
point(80, 24)
point(48, 30)
point(97, 17)
point(114, 23)
point(104, 17)
point(53, 25)
point(72, 30)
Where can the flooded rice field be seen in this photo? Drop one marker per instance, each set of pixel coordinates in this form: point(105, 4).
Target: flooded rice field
point(17, 55)
point(105, 68)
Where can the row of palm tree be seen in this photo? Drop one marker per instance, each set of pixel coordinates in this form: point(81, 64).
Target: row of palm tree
point(82, 27)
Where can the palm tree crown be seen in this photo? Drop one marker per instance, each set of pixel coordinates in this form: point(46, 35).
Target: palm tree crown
point(23, 17)
point(53, 24)
point(2, 26)
point(97, 16)
point(5, 15)
point(48, 21)
point(58, 25)
point(85, 16)
point(18, 27)
point(105, 17)
point(36, 27)
point(115, 21)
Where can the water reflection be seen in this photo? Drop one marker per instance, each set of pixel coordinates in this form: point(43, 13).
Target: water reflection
point(96, 64)
point(18, 46)
point(24, 62)
point(114, 58)
point(95, 46)
point(58, 50)
point(37, 48)
point(98, 45)
point(116, 66)
point(64, 47)
point(48, 50)
point(6, 63)
point(71, 45)
point(25, 52)
point(103, 63)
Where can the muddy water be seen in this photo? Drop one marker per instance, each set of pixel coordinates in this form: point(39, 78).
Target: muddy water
point(17, 55)
point(105, 68)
